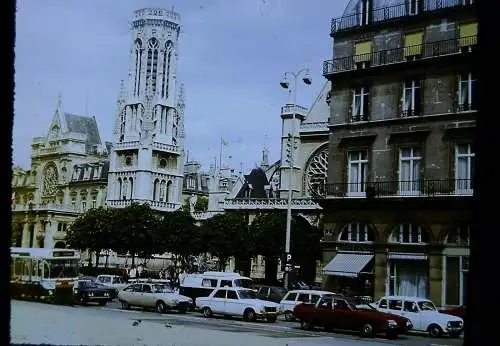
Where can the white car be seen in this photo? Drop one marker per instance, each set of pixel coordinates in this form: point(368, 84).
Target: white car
point(237, 302)
point(423, 315)
point(153, 295)
point(294, 297)
point(114, 281)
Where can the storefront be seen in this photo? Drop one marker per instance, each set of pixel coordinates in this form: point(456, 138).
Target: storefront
point(407, 275)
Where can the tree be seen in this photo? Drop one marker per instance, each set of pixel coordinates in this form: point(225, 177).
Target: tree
point(135, 228)
point(177, 233)
point(94, 231)
point(227, 235)
point(270, 235)
point(201, 204)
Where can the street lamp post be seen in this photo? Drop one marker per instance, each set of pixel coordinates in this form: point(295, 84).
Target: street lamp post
point(291, 137)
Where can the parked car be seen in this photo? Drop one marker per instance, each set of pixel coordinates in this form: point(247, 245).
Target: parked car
point(86, 291)
point(336, 312)
point(114, 281)
point(153, 295)
point(423, 315)
point(294, 297)
point(237, 302)
point(270, 293)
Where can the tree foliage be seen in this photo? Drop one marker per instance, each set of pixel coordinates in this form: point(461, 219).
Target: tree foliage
point(93, 230)
point(201, 204)
point(228, 235)
point(177, 233)
point(135, 227)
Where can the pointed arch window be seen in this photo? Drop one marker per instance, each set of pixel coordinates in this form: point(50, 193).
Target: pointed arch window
point(131, 188)
point(410, 234)
point(124, 189)
point(152, 63)
point(156, 190)
point(357, 232)
point(163, 190)
point(138, 63)
point(167, 58)
point(168, 192)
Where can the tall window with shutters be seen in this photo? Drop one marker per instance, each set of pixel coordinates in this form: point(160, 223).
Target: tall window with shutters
point(411, 102)
point(413, 45)
point(464, 168)
point(360, 106)
point(468, 35)
point(467, 95)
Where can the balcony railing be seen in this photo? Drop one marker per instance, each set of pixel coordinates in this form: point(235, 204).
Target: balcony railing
point(392, 13)
point(158, 205)
point(291, 109)
point(264, 203)
point(399, 55)
point(398, 188)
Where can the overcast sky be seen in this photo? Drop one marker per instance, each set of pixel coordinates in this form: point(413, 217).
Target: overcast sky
point(231, 58)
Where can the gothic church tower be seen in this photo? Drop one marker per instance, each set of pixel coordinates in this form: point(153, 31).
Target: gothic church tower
point(147, 158)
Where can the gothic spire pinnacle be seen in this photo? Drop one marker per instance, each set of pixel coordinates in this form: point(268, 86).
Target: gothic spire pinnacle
point(265, 154)
point(122, 96)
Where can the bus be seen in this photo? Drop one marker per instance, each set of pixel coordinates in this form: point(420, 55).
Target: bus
point(43, 274)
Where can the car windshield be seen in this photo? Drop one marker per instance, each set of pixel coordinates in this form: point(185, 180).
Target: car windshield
point(247, 294)
point(160, 288)
point(245, 283)
point(365, 307)
point(426, 305)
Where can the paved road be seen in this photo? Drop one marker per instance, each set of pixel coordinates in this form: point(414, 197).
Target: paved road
point(51, 324)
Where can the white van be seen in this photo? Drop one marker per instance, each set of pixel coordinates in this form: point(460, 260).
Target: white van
point(201, 285)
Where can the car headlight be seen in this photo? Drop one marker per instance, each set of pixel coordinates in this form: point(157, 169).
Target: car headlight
point(392, 323)
point(91, 294)
point(408, 324)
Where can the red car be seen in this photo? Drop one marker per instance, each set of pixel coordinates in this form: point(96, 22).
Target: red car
point(338, 313)
point(458, 311)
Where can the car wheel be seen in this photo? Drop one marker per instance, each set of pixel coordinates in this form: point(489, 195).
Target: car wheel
point(207, 312)
point(249, 315)
point(367, 330)
point(306, 325)
point(103, 302)
point(161, 307)
point(289, 316)
point(434, 331)
point(271, 319)
point(125, 305)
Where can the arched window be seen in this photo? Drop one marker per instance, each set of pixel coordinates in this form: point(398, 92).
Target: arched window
point(459, 236)
point(167, 58)
point(124, 189)
point(152, 63)
point(316, 171)
point(83, 197)
point(138, 65)
point(163, 190)
point(357, 232)
point(131, 192)
point(168, 193)
point(408, 233)
point(73, 196)
point(119, 188)
point(156, 189)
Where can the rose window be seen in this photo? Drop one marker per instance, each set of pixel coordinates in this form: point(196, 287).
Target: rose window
point(316, 172)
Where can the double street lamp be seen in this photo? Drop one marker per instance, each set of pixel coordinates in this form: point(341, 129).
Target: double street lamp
point(291, 138)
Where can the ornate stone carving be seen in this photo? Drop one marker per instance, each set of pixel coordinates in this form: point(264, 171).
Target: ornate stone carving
point(50, 180)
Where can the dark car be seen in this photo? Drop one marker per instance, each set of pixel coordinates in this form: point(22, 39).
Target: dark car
point(86, 291)
point(270, 293)
point(339, 313)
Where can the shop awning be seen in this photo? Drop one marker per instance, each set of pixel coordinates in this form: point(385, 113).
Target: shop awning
point(347, 264)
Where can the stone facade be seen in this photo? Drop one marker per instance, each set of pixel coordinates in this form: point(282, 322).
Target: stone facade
point(401, 151)
point(147, 159)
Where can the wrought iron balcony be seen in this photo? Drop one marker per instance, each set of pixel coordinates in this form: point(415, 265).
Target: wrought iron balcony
point(265, 203)
point(392, 13)
point(399, 55)
point(398, 188)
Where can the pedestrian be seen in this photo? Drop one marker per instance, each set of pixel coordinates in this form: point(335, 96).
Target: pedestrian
point(160, 274)
point(140, 269)
point(133, 273)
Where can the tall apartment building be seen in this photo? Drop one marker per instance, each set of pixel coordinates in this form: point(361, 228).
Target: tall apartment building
point(397, 203)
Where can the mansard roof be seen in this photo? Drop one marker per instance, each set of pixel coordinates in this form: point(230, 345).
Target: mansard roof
point(257, 180)
point(79, 172)
point(84, 125)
